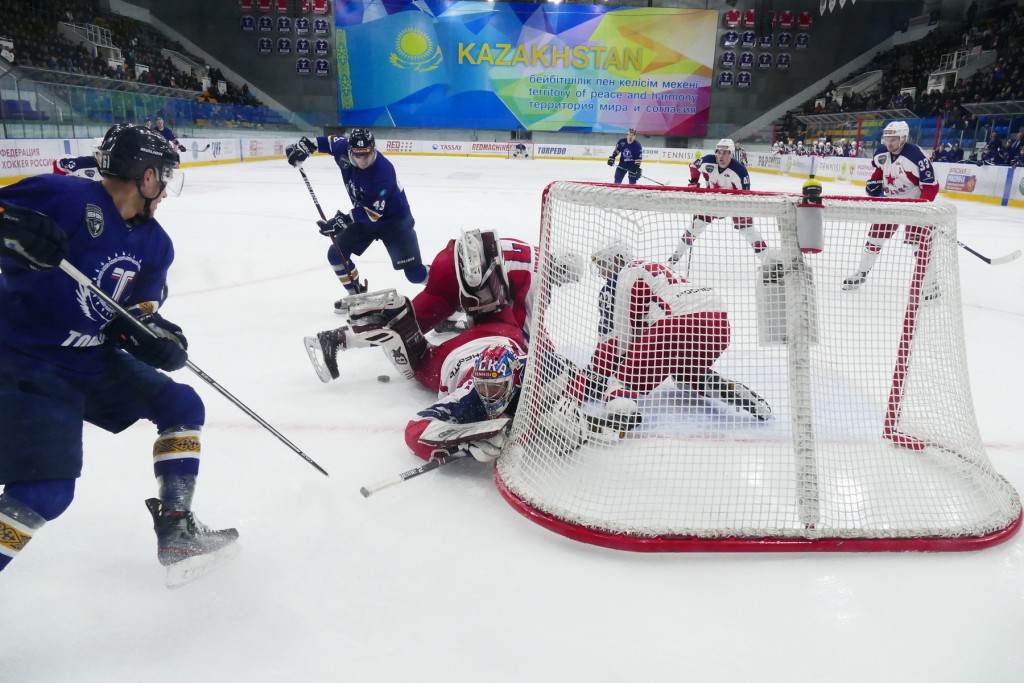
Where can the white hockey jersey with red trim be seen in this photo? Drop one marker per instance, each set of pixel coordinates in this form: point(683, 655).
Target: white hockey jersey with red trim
point(647, 292)
point(909, 175)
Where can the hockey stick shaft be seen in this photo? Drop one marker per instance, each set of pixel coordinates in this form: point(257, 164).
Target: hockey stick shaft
point(429, 466)
point(998, 261)
point(84, 281)
point(334, 238)
point(641, 175)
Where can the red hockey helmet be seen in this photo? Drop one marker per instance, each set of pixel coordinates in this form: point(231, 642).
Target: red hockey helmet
point(497, 376)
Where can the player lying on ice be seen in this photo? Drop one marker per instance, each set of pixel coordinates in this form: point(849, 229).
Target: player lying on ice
point(488, 278)
point(655, 325)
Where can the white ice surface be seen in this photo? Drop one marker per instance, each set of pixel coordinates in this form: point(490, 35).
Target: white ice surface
point(439, 579)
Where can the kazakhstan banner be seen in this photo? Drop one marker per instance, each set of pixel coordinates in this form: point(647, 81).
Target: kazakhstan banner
point(524, 66)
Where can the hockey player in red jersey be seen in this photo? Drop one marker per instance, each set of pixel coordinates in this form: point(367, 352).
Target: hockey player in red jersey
point(902, 171)
point(654, 326)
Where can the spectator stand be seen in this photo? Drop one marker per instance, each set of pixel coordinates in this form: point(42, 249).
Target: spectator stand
point(863, 127)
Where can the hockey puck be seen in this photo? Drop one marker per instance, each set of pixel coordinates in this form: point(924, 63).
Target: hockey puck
point(383, 378)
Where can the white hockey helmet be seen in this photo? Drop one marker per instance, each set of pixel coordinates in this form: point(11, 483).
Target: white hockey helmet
point(726, 145)
point(898, 129)
point(480, 270)
point(566, 268)
point(613, 256)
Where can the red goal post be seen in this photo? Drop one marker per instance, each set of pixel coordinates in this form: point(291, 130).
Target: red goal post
point(872, 443)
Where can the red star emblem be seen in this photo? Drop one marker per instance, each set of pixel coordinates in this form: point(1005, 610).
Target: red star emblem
point(890, 179)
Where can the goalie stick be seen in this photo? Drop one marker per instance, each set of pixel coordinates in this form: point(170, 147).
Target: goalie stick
point(88, 284)
point(998, 261)
point(608, 427)
point(429, 466)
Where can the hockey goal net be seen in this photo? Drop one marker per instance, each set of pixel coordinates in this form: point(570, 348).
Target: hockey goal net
point(520, 149)
point(872, 443)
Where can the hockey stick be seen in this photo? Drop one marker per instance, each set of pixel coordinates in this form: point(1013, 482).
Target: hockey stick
point(344, 259)
point(641, 175)
point(998, 261)
point(84, 281)
point(429, 466)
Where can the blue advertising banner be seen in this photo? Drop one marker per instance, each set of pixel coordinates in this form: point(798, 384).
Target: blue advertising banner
point(551, 67)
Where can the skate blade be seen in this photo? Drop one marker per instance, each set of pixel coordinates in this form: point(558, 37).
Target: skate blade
point(187, 571)
point(316, 358)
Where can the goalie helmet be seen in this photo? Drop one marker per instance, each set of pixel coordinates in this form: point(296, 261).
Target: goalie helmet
point(127, 151)
point(497, 376)
point(362, 148)
point(480, 270)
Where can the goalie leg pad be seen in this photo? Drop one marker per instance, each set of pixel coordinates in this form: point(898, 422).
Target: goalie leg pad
point(565, 424)
point(390, 323)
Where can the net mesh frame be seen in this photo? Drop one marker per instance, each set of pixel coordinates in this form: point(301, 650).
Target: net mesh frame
point(873, 442)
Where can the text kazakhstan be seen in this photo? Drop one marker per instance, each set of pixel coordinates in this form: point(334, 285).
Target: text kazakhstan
point(579, 56)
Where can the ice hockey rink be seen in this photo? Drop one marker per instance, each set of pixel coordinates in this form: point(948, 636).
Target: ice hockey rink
point(439, 579)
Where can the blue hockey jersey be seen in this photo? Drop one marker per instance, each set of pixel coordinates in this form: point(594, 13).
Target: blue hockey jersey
point(46, 314)
point(377, 195)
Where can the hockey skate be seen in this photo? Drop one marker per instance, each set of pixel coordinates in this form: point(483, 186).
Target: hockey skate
point(854, 281)
point(188, 548)
point(323, 352)
point(735, 394)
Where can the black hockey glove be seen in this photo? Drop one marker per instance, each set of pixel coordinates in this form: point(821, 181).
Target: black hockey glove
point(165, 351)
point(635, 173)
point(32, 237)
point(300, 151)
point(335, 226)
point(875, 188)
point(611, 160)
point(181, 148)
point(694, 182)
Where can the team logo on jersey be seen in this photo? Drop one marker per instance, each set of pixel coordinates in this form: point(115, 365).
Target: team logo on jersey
point(116, 277)
point(94, 219)
point(415, 50)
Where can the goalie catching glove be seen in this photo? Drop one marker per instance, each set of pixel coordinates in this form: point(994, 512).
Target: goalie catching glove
point(335, 226)
point(165, 349)
point(300, 151)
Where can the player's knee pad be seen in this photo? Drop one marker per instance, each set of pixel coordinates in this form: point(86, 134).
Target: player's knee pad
point(47, 498)
point(416, 274)
point(178, 404)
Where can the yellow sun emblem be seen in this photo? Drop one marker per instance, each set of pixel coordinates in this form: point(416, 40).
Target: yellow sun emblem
point(415, 50)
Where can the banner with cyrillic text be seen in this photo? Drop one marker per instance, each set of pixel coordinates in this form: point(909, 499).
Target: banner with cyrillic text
point(516, 66)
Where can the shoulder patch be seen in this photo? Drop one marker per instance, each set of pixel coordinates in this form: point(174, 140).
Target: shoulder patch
point(94, 219)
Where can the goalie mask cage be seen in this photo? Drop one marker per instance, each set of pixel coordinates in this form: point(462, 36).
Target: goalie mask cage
point(872, 443)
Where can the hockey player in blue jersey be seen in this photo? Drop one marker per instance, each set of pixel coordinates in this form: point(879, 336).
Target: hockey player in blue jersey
point(630, 154)
point(66, 358)
point(380, 210)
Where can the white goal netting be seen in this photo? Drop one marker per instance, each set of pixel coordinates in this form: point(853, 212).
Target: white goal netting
point(872, 441)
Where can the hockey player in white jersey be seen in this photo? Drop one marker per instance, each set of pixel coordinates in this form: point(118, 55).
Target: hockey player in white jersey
point(902, 171)
point(719, 171)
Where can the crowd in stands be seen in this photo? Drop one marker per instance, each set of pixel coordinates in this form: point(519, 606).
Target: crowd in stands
point(908, 66)
point(822, 147)
point(32, 25)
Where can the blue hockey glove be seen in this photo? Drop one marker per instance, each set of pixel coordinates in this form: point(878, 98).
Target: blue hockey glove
point(300, 151)
point(32, 237)
point(635, 173)
point(336, 225)
point(165, 351)
point(875, 188)
point(611, 160)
